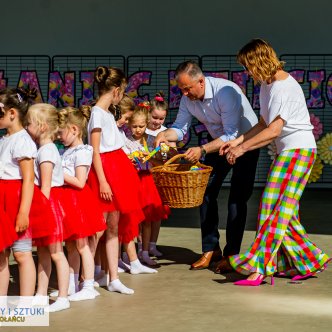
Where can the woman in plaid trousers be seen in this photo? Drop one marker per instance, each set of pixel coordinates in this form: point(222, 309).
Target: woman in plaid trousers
point(281, 244)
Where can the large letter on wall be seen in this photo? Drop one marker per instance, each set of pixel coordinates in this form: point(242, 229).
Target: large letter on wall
point(217, 74)
point(174, 92)
point(329, 89)
point(241, 78)
point(61, 92)
point(3, 81)
point(87, 79)
point(29, 80)
point(297, 74)
point(135, 81)
point(316, 78)
point(255, 96)
point(201, 131)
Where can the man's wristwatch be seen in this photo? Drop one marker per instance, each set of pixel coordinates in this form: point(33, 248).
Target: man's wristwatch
point(203, 151)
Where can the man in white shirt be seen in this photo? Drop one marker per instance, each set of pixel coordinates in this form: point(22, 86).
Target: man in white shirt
point(226, 113)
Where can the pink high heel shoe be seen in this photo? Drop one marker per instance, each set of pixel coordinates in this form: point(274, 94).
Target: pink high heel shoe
point(255, 282)
point(303, 276)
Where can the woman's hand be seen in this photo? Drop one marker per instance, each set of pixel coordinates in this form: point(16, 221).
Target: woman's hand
point(105, 191)
point(229, 145)
point(22, 222)
point(234, 153)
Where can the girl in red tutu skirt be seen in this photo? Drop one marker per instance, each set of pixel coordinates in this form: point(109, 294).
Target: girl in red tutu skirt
point(127, 108)
point(157, 115)
point(20, 200)
point(139, 143)
point(84, 217)
point(42, 125)
point(113, 178)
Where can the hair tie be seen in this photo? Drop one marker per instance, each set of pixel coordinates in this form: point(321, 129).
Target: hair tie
point(144, 104)
point(19, 97)
point(2, 105)
point(159, 98)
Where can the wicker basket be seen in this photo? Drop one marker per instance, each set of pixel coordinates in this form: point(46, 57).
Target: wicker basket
point(178, 186)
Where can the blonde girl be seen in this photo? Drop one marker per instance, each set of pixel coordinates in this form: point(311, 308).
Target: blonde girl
point(157, 115)
point(42, 125)
point(83, 219)
point(153, 208)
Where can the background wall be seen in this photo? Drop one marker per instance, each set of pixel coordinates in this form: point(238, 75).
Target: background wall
point(162, 27)
point(52, 41)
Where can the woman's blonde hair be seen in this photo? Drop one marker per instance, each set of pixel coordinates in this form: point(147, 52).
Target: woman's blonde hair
point(260, 59)
point(44, 114)
point(74, 116)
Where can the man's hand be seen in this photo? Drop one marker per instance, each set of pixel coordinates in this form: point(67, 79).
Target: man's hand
point(193, 154)
point(160, 138)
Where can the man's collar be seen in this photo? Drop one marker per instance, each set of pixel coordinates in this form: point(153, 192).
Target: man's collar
point(208, 89)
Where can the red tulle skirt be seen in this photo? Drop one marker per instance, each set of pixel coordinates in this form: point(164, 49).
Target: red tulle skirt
point(153, 208)
point(122, 177)
point(83, 216)
point(56, 203)
point(41, 219)
point(7, 231)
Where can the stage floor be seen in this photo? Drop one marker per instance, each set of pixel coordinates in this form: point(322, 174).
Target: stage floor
point(177, 299)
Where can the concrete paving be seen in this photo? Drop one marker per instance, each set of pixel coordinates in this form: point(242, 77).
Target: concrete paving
point(177, 299)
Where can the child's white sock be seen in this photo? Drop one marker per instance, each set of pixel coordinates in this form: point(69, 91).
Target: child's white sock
point(62, 303)
point(136, 268)
point(146, 259)
point(153, 250)
point(72, 289)
point(39, 300)
point(87, 292)
point(117, 286)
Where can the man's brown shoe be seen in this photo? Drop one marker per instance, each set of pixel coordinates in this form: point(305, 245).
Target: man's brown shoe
point(206, 259)
point(223, 266)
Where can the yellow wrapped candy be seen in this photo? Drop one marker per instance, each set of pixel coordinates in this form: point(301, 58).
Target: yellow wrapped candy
point(164, 148)
point(136, 154)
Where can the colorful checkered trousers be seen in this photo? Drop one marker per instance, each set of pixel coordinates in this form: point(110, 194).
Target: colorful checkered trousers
point(281, 242)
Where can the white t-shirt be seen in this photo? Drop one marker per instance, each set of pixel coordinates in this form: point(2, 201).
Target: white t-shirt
point(110, 139)
point(286, 99)
point(14, 148)
point(80, 155)
point(49, 153)
point(155, 132)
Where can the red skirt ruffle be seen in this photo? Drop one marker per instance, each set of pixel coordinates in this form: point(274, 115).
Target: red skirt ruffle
point(7, 231)
point(122, 177)
point(56, 198)
point(153, 208)
point(83, 216)
point(41, 219)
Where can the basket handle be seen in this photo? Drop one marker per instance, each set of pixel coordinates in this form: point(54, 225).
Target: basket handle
point(176, 157)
